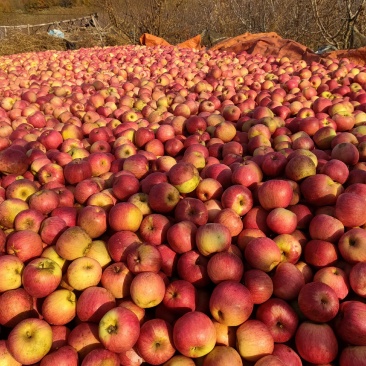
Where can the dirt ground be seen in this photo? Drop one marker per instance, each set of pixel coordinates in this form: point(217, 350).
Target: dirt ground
point(44, 16)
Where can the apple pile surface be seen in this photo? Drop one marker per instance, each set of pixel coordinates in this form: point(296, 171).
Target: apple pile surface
point(165, 206)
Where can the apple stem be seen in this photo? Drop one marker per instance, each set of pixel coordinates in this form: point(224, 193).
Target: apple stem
point(112, 329)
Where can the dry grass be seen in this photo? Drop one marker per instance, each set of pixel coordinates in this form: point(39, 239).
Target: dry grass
point(18, 42)
point(75, 37)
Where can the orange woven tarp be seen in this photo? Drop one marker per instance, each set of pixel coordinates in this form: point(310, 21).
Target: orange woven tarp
point(267, 44)
point(151, 40)
point(358, 56)
point(194, 43)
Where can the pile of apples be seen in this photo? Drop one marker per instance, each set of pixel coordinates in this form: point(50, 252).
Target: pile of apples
point(166, 206)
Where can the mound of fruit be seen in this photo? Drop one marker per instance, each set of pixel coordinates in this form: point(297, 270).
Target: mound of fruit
point(170, 206)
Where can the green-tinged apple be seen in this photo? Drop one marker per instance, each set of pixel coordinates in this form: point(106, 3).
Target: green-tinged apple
point(99, 252)
point(290, 247)
point(73, 243)
point(83, 272)
point(50, 253)
point(141, 201)
point(59, 307)
point(254, 340)
point(125, 216)
point(212, 238)
point(6, 357)
point(180, 360)
point(30, 340)
point(221, 355)
point(9, 209)
point(184, 177)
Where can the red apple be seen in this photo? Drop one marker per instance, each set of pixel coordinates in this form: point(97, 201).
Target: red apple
point(318, 302)
point(262, 253)
point(119, 329)
point(99, 357)
point(180, 297)
point(117, 279)
point(357, 278)
point(286, 354)
point(194, 334)
point(153, 229)
point(163, 197)
point(349, 209)
point(224, 266)
point(143, 257)
point(275, 193)
point(93, 303)
point(147, 289)
point(280, 318)
point(155, 343)
point(231, 303)
point(254, 340)
point(316, 342)
point(25, 244)
point(41, 276)
point(15, 306)
point(181, 236)
point(192, 267)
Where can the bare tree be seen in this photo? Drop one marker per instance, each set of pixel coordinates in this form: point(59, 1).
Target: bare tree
point(314, 23)
point(338, 26)
point(133, 18)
